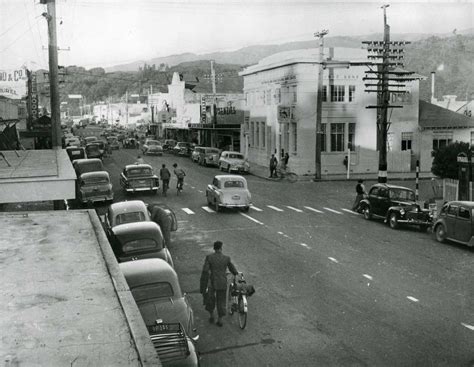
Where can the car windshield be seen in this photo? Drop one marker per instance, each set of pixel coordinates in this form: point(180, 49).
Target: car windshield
point(402, 194)
point(90, 167)
point(135, 172)
point(152, 291)
point(131, 217)
point(95, 180)
point(92, 148)
point(212, 151)
point(153, 142)
point(234, 183)
point(141, 244)
point(236, 156)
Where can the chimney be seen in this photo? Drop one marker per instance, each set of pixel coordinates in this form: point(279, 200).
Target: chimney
point(433, 99)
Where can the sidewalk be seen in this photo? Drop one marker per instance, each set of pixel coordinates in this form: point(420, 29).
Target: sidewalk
point(264, 172)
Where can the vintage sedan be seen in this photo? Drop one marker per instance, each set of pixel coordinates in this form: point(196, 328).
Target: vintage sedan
point(155, 287)
point(76, 153)
point(152, 147)
point(73, 141)
point(139, 240)
point(93, 151)
point(195, 154)
point(125, 212)
point(169, 144)
point(233, 161)
point(88, 139)
point(92, 187)
point(139, 177)
point(209, 157)
point(182, 148)
point(455, 223)
point(396, 205)
point(85, 165)
point(228, 191)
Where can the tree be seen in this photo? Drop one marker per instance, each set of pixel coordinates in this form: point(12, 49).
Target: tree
point(445, 159)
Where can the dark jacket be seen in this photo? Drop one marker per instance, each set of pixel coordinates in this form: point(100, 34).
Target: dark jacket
point(273, 162)
point(165, 174)
point(215, 267)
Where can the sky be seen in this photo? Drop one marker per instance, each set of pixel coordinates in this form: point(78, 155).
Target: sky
point(104, 33)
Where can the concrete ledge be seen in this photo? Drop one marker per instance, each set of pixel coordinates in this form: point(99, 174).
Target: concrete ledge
point(138, 330)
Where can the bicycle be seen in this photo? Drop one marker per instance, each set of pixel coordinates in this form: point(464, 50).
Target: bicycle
point(165, 186)
point(284, 173)
point(179, 186)
point(236, 298)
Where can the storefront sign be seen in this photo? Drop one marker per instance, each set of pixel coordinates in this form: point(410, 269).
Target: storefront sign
point(13, 83)
point(203, 110)
point(198, 126)
point(32, 97)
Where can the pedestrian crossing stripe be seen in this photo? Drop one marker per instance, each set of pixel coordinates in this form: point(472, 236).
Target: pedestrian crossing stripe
point(314, 210)
point(295, 209)
point(275, 208)
point(255, 208)
point(207, 209)
point(349, 211)
point(187, 210)
point(332, 210)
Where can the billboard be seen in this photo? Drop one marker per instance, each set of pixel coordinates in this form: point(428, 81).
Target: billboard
point(13, 83)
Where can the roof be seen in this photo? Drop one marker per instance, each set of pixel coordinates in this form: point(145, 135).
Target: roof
point(85, 176)
point(466, 203)
point(388, 186)
point(136, 165)
point(434, 117)
point(230, 177)
point(128, 206)
point(147, 271)
point(137, 229)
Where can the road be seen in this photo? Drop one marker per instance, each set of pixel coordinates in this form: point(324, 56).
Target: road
point(332, 288)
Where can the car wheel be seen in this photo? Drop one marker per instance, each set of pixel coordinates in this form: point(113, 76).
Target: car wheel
point(393, 220)
point(246, 209)
point(367, 212)
point(440, 233)
point(228, 168)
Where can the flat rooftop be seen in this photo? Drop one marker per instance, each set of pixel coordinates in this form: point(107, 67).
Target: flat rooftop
point(63, 299)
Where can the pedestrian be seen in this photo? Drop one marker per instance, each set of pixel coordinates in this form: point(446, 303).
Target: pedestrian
point(213, 284)
point(360, 192)
point(162, 217)
point(165, 178)
point(273, 166)
point(179, 172)
point(284, 161)
point(139, 160)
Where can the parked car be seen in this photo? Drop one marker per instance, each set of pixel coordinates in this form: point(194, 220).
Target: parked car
point(139, 177)
point(228, 191)
point(102, 146)
point(73, 141)
point(139, 240)
point(93, 151)
point(76, 153)
point(152, 147)
point(195, 154)
point(169, 144)
point(113, 142)
point(130, 143)
point(209, 157)
point(455, 223)
point(182, 148)
point(233, 161)
point(88, 140)
point(87, 165)
point(156, 290)
point(396, 205)
point(92, 187)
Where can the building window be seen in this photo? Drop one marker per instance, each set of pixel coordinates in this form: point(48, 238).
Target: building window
point(325, 93)
point(286, 95)
point(337, 137)
point(400, 97)
point(294, 136)
point(293, 95)
point(406, 140)
point(262, 129)
point(337, 93)
point(257, 134)
point(442, 139)
point(351, 136)
point(323, 138)
point(247, 99)
point(268, 97)
point(277, 96)
point(472, 138)
point(352, 90)
point(390, 139)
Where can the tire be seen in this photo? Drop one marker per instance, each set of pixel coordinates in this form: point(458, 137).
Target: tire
point(246, 209)
point(242, 314)
point(424, 228)
point(440, 233)
point(367, 212)
point(393, 220)
point(292, 177)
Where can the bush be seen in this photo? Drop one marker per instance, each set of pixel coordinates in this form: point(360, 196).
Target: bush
point(445, 160)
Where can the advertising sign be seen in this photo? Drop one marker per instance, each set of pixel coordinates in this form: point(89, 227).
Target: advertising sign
point(13, 83)
point(32, 98)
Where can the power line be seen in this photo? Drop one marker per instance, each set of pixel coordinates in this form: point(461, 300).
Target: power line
point(9, 28)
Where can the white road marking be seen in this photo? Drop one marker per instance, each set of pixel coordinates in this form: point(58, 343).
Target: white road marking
point(202, 192)
point(305, 245)
point(255, 208)
point(183, 221)
point(275, 208)
point(368, 276)
point(413, 299)
point(314, 210)
point(295, 209)
point(207, 209)
point(252, 219)
point(349, 211)
point(333, 260)
point(280, 232)
point(470, 327)
point(187, 210)
point(332, 210)
point(192, 187)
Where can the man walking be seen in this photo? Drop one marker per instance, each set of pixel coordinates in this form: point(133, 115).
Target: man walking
point(213, 283)
point(360, 192)
point(273, 166)
point(165, 178)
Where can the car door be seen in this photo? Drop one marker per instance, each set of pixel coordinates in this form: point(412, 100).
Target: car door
point(451, 215)
point(383, 201)
point(462, 227)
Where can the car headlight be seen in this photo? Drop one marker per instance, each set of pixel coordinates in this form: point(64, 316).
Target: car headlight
point(402, 211)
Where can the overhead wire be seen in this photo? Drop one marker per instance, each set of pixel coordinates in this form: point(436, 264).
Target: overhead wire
point(31, 31)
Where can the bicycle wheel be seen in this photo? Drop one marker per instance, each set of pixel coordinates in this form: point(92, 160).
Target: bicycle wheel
point(242, 312)
point(292, 177)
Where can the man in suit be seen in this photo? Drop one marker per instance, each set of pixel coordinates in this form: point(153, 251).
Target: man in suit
point(213, 283)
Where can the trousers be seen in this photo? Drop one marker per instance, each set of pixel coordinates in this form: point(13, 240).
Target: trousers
point(216, 298)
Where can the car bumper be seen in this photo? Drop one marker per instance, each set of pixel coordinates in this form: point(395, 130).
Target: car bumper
point(232, 205)
point(240, 169)
point(420, 222)
point(153, 153)
point(130, 189)
point(95, 199)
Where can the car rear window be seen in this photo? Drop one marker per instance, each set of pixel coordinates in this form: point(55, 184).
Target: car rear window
point(95, 180)
point(90, 167)
point(234, 184)
point(135, 172)
point(237, 156)
point(401, 194)
point(129, 218)
point(140, 244)
point(152, 291)
point(153, 142)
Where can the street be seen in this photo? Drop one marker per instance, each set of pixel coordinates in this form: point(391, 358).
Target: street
point(332, 289)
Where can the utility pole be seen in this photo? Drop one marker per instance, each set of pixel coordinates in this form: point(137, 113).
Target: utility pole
point(391, 54)
point(53, 73)
point(319, 105)
point(126, 107)
point(214, 104)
